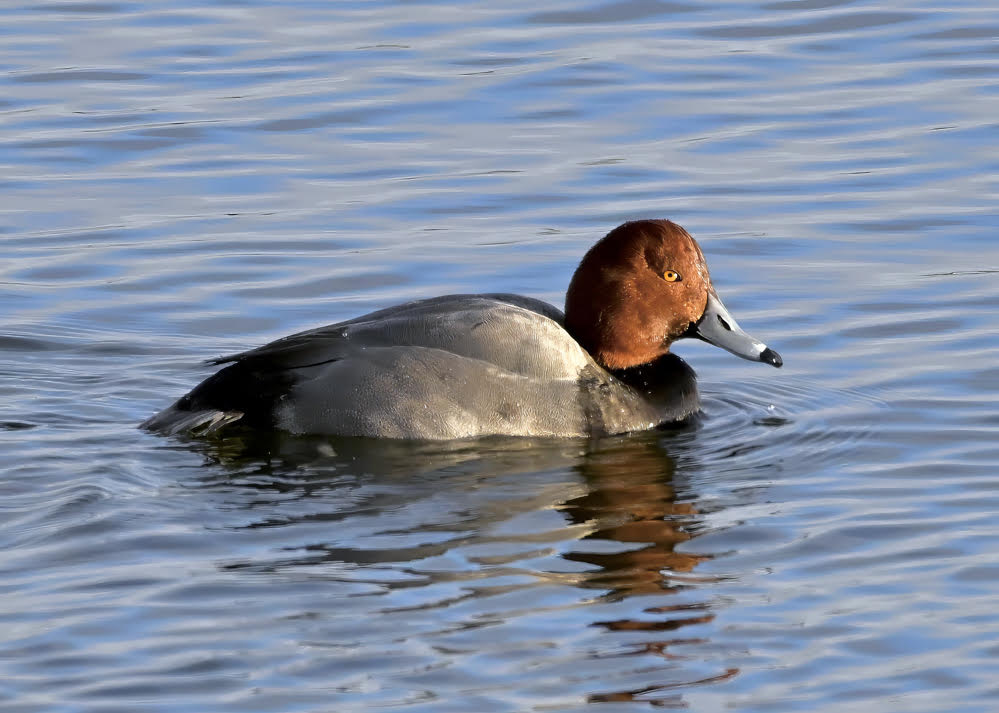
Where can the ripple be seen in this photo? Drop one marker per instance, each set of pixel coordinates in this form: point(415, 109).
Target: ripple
point(16, 425)
point(77, 75)
point(759, 422)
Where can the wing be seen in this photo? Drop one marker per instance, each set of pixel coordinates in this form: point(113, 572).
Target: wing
point(517, 334)
point(469, 334)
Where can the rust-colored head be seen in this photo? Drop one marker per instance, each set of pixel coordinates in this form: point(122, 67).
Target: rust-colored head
point(643, 286)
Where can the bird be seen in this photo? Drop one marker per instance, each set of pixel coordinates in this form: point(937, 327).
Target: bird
point(497, 364)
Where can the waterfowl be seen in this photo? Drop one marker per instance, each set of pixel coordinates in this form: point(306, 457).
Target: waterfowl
point(460, 366)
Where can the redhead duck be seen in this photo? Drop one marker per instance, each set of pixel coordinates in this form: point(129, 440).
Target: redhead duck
point(493, 364)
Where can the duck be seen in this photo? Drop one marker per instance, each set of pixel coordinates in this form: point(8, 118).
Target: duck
point(474, 365)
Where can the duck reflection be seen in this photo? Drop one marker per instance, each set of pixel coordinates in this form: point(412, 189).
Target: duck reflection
point(402, 515)
point(630, 499)
point(620, 491)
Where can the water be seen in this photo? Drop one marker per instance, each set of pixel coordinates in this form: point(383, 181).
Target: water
point(184, 180)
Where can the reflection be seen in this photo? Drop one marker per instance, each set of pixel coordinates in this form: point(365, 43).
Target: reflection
point(442, 529)
point(630, 499)
point(646, 694)
point(427, 498)
point(282, 454)
point(614, 490)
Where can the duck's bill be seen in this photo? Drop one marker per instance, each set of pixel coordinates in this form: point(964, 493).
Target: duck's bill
point(718, 327)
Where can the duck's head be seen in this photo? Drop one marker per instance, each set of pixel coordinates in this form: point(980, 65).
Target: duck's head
point(642, 287)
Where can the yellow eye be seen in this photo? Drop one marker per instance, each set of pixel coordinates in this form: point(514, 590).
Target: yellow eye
point(672, 276)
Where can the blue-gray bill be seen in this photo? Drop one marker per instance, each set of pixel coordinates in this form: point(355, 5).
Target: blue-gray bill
point(718, 327)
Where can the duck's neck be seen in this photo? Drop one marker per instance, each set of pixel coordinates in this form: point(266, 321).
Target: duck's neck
point(668, 382)
point(613, 342)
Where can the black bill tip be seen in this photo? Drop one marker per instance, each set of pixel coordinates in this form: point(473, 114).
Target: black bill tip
point(769, 356)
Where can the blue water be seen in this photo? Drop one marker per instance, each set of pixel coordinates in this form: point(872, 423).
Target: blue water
point(182, 180)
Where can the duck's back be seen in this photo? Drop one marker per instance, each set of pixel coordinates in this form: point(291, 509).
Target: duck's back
point(447, 367)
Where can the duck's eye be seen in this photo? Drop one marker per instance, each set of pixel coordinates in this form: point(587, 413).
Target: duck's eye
point(672, 276)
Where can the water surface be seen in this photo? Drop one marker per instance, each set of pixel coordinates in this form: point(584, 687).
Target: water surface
point(184, 180)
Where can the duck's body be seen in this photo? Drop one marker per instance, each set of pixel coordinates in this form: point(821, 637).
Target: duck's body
point(448, 367)
point(473, 365)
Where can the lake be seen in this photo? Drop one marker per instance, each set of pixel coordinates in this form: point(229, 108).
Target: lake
point(182, 180)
